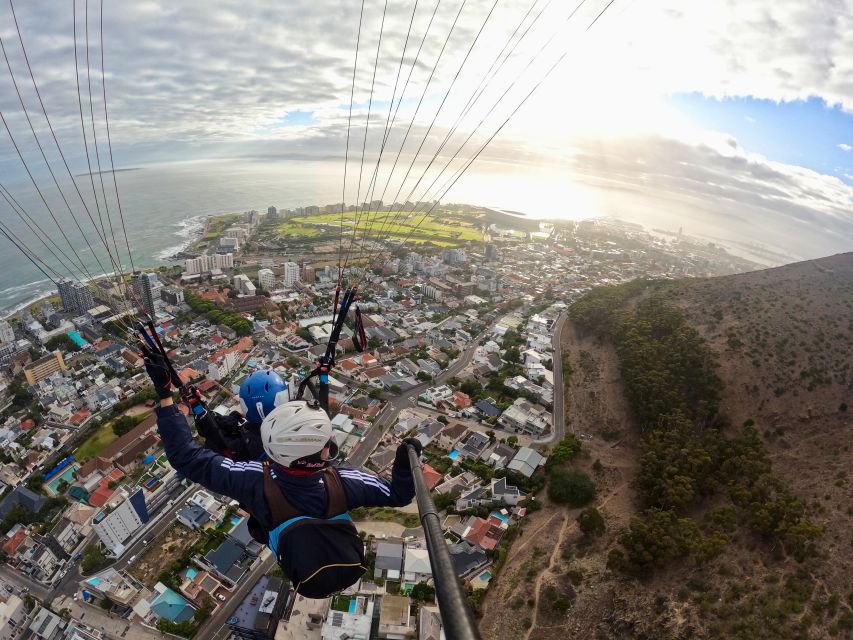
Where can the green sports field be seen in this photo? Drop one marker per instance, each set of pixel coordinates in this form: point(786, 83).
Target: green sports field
point(440, 229)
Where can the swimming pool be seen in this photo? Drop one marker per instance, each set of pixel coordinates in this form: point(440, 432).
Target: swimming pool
point(77, 338)
point(191, 573)
point(67, 475)
point(500, 516)
point(453, 454)
point(352, 606)
point(235, 520)
point(94, 581)
point(486, 575)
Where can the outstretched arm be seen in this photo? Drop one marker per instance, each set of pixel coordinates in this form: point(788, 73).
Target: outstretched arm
point(365, 489)
point(238, 480)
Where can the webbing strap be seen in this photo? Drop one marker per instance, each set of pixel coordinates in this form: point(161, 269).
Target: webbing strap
point(280, 508)
point(337, 497)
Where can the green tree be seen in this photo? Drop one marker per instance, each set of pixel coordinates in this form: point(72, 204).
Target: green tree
point(443, 501)
point(591, 522)
point(124, 424)
point(570, 486)
point(422, 592)
point(93, 559)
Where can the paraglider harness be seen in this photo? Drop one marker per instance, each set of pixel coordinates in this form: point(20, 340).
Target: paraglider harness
point(336, 560)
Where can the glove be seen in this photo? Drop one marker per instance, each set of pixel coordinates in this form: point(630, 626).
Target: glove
point(158, 371)
point(401, 461)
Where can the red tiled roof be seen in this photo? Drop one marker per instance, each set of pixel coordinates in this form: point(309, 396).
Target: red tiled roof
point(79, 416)
point(188, 373)
point(431, 477)
point(463, 400)
point(101, 496)
point(27, 424)
point(12, 544)
point(375, 372)
point(478, 531)
point(348, 365)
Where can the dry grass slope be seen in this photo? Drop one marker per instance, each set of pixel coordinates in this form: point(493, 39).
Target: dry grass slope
point(783, 339)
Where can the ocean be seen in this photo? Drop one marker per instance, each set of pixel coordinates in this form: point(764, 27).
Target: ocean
point(164, 208)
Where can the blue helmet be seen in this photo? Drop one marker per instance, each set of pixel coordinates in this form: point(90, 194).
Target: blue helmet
point(260, 393)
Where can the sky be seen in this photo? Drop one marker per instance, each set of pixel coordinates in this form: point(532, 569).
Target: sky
point(730, 118)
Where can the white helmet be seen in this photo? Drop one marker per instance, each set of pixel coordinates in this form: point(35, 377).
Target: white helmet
point(295, 430)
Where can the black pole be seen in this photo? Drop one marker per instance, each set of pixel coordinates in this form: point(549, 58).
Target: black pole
point(456, 617)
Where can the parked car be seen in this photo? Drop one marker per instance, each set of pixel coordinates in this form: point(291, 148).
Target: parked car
point(219, 596)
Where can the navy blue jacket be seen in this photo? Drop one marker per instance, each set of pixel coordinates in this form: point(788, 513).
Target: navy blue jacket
point(243, 481)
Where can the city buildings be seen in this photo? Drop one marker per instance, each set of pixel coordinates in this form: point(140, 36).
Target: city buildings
point(244, 286)
point(272, 213)
point(115, 527)
point(290, 275)
point(44, 367)
point(6, 332)
point(172, 295)
point(266, 279)
point(75, 296)
point(207, 262)
point(146, 288)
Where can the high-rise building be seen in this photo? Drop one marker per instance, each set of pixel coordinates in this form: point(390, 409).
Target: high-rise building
point(266, 279)
point(309, 275)
point(252, 217)
point(291, 273)
point(116, 527)
point(146, 287)
point(172, 295)
point(272, 213)
point(313, 210)
point(75, 296)
point(491, 252)
point(6, 332)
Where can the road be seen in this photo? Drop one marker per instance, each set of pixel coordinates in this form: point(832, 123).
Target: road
point(223, 613)
point(558, 417)
point(408, 399)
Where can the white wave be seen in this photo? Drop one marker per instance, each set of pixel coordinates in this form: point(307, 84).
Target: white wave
point(189, 230)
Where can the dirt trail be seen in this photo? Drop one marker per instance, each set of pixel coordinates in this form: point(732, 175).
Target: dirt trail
point(546, 572)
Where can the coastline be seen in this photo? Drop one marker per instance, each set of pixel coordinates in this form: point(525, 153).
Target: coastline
point(194, 230)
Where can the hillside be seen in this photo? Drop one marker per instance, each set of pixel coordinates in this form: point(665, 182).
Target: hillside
point(716, 411)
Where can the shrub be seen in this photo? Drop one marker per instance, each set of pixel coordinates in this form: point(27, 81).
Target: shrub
point(570, 486)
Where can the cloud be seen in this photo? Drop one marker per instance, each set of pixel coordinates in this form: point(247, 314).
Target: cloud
point(845, 147)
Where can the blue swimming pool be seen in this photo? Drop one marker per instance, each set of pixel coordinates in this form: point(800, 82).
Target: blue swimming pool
point(453, 454)
point(191, 573)
point(236, 520)
point(77, 338)
point(486, 575)
point(352, 605)
point(500, 516)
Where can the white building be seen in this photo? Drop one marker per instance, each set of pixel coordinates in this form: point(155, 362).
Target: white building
point(244, 285)
point(266, 279)
point(12, 614)
point(207, 262)
point(416, 567)
point(114, 529)
point(345, 624)
point(291, 274)
point(6, 332)
point(229, 244)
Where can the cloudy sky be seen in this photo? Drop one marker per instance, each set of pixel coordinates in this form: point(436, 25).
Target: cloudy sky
point(730, 118)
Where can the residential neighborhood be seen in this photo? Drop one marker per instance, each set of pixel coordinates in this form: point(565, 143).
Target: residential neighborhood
point(462, 345)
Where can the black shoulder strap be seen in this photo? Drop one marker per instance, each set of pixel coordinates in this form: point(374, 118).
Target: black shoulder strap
point(337, 497)
point(280, 507)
